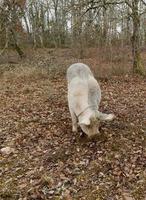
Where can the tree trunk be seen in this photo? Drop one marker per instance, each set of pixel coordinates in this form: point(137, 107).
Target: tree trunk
point(105, 28)
point(128, 33)
point(16, 46)
point(137, 63)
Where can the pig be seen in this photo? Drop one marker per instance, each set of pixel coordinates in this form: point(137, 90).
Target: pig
point(84, 96)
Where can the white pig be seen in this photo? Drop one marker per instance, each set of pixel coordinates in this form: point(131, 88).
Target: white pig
point(84, 96)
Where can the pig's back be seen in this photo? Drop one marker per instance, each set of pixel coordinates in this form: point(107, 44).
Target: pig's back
point(79, 70)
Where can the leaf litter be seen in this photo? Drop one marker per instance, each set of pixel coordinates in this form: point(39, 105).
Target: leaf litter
point(43, 159)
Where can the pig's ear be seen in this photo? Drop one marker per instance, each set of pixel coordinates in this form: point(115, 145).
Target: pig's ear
point(105, 117)
point(84, 121)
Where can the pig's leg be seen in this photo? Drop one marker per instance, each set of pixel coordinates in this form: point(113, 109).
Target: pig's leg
point(74, 121)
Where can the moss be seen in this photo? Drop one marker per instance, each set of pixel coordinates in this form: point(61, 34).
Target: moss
point(138, 66)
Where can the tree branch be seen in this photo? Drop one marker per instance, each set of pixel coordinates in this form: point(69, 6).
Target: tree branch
point(128, 4)
point(103, 4)
point(143, 2)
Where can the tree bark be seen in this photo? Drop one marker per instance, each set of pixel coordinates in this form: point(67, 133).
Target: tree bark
point(137, 63)
point(105, 26)
point(16, 46)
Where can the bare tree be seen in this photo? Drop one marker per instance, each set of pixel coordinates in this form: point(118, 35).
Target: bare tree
point(135, 14)
point(135, 39)
point(74, 23)
point(10, 10)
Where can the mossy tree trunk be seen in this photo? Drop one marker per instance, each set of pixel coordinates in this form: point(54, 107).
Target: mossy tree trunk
point(137, 62)
point(16, 46)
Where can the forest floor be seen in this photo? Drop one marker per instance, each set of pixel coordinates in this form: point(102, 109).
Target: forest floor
point(40, 157)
